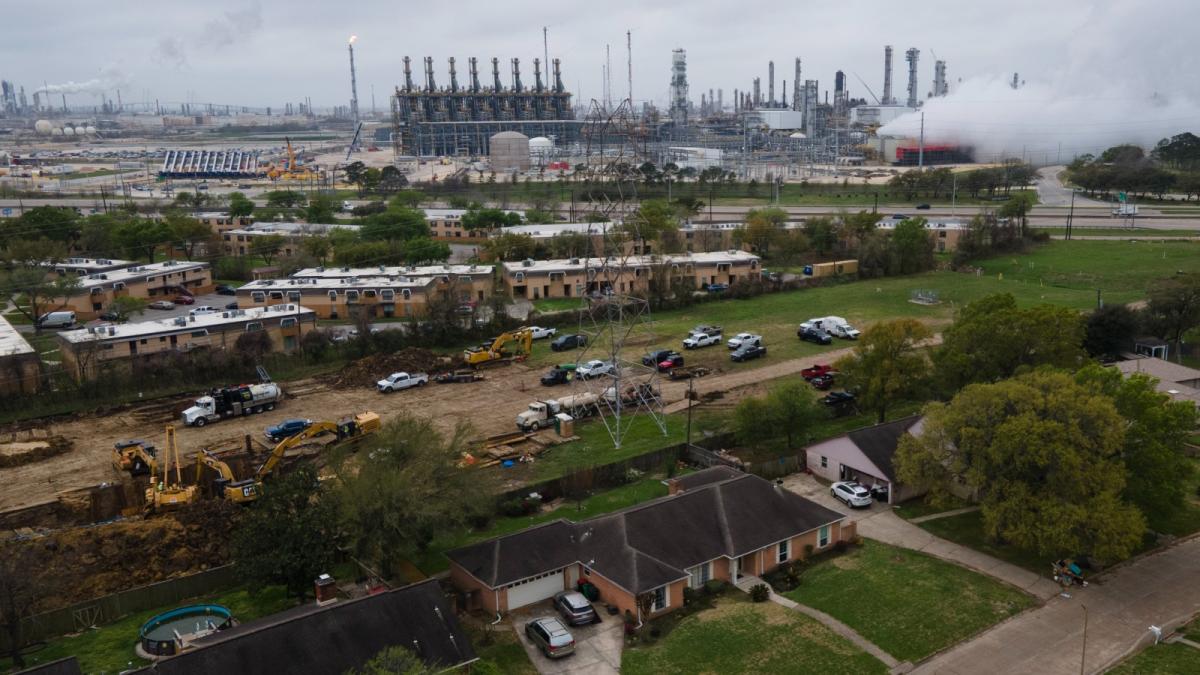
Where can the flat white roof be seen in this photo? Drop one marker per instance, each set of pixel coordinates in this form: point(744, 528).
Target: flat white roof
point(579, 264)
point(105, 332)
point(298, 229)
point(930, 224)
point(90, 263)
point(390, 271)
point(457, 214)
point(139, 272)
point(12, 343)
point(546, 230)
point(337, 283)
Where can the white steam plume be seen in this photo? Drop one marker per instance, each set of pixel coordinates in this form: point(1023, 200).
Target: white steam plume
point(108, 79)
point(1127, 76)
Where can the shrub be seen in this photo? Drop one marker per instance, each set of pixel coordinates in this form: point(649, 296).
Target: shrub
point(512, 507)
point(714, 586)
point(808, 551)
point(760, 593)
point(840, 546)
point(689, 596)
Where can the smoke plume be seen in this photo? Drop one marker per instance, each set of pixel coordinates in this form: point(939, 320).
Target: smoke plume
point(109, 78)
point(228, 29)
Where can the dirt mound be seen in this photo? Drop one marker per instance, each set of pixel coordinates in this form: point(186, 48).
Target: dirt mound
point(16, 453)
point(82, 563)
point(365, 372)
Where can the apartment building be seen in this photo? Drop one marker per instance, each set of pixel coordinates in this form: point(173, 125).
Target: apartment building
point(345, 298)
point(82, 267)
point(241, 241)
point(220, 222)
point(573, 277)
point(156, 281)
point(87, 350)
point(20, 367)
point(944, 232)
point(471, 283)
point(447, 224)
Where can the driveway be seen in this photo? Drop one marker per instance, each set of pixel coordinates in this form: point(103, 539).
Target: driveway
point(597, 647)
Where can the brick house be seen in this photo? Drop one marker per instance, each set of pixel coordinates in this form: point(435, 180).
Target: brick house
point(716, 524)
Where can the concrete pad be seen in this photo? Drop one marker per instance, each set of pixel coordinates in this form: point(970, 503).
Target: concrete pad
point(597, 646)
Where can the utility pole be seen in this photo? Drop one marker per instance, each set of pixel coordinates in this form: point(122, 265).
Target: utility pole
point(691, 384)
point(1070, 215)
point(921, 145)
point(1083, 652)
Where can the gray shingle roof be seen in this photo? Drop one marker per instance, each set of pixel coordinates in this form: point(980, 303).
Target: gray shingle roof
point(646, 546)
point(879, 443)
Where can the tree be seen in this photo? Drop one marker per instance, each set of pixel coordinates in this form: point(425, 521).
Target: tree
point(423, 251)
point(1110, 330)
point(1017, 209)
point(392, 497)
point(787, 410)
point(408, 198)
point(267, 246)
point(188, 234)
point(320, 209)
point(317, 246)
point(911, 247)
point(652, 218)
point(1156, 431)
point(391, 180)
point(240, 206)
point(763, 228)
point(821, 234)
point(193, 201)
point(289, 535)
point(95, 235)
point(539, 217)
point(489, 219)
point(398, 223)
point(509, 247)
point(50, 222)
point(1042, 455)
point(992, 339)
point(20, 592)
point(888, 364)
point(1174, 306)
point(33, 294)
point(354, 173)
point(284, 199)
point(395, 660)
point(141, 237)
point(126, 306)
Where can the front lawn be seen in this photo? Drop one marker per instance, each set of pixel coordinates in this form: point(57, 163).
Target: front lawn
point(910, 604)
point(1186, 519)
point(967, 529)
point(1165, 659)
point(546, 305)
point(737, 636)
point(109, 648)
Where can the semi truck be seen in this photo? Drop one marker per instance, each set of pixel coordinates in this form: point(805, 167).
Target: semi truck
point(541, 413)
point(243, 399)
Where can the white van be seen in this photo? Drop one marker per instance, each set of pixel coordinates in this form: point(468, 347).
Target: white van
point(56, 320)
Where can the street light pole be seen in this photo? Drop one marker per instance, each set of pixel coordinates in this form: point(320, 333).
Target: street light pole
point(691, 384)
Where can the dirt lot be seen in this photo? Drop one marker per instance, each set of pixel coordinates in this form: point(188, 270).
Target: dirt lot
point(489, 406)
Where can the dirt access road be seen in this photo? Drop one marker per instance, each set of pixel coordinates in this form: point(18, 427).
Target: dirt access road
point(489, 407)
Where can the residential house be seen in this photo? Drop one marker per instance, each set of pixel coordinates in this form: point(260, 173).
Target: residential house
point(20, 367)
point(574, 277)
point(1175, 380)
point(156, 281)
point(333, 637)
point(866, 455)
point(718, 524)
point(86, 350)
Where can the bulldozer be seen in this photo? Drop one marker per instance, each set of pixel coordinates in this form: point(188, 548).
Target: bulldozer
point(293, 171)
point(165, 495)
point(497, 352)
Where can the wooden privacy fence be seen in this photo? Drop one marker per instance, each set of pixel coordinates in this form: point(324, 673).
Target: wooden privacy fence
point(110, 608)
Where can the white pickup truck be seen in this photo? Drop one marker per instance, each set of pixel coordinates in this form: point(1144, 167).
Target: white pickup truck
point(702, 340)
point(398, 381)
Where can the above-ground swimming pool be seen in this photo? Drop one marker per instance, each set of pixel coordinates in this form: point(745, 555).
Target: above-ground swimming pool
point(163, 634)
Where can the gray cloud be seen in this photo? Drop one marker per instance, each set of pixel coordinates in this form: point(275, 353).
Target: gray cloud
point(231, 28)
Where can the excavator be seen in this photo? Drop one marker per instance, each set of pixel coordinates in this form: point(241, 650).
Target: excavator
point(350, 428)
point(497, 353)
point(165, 495)
point(228, 486)
point(292, 171)
point(137, 457)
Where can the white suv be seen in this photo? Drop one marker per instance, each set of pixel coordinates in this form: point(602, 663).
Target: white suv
point(594, 368)
point(850, 492)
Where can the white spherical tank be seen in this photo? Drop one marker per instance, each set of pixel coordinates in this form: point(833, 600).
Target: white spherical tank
point(43, 127)
point(56, 132)
point(68, 131)
point(91, 131)
point(540, 145)
point(81, 131)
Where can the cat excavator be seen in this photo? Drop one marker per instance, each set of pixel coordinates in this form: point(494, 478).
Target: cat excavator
point(227, 486)
point(497, 352)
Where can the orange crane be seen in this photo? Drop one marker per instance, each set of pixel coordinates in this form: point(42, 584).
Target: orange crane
point(292, 171)
point(165, 495)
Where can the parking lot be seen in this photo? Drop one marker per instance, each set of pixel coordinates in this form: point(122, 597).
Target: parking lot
point(210, 299)
point(597, 647)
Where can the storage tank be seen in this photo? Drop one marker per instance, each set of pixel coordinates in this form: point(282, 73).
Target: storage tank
point(540, 148)
point(43, 127)
point(68, 131)
point(56, 132)
point(509, 151)
point(91, 131)
point(81, 131)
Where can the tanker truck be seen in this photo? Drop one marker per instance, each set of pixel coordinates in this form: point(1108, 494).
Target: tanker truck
point(243, 399)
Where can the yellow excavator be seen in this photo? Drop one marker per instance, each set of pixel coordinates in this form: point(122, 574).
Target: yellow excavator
point(137, 457)
point(350, 428)
point(293, 171)
point(163, 494)
point(497, 352)
point(228, 486)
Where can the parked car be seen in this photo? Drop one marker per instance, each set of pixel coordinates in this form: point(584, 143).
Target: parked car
point(571, 341)
point(898, 216)
point(704, 328)
point(717, 288)
point(550, 636)
point(286, 429)
point(696, 340)
point(672, 360)
point(184, 300)
point(111, 315)
point(816, 371)
point(202, 309)
point(560, 374)
point(398, 381)
point(850, 492)
point(749, 350)
point(232, 305)
point(575, 608)
point(737, 340)
point(161, 304)
point(839, 400)
point(814, 335)
point(594, 368)
point(822, 382)
point(655, 357)
point(923, 207)
point(540, 333)
point(224, 289)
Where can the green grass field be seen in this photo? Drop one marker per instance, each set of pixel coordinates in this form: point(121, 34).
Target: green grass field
point(967, 529)
point(557, 304)
point(109, 649)
point(908, 603)
point(1132, 233)
point(737, 636)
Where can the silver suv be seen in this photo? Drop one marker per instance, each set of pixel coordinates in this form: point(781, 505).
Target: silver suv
point(574, 607)
point(550, 636)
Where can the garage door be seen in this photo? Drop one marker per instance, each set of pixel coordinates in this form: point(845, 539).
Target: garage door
point(535, 589)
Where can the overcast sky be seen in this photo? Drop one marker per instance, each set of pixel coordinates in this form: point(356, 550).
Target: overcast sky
point(266, 52)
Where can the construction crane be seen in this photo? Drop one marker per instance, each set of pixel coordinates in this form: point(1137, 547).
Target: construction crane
point(163, 494)
point(354, 141)
point(351, 428)
point(496, 352)
point(293, 171)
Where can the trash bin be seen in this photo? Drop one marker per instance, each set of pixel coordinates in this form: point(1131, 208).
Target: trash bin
point(564, 424)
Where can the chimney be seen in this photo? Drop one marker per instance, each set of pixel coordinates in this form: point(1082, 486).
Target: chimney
point(326, 590)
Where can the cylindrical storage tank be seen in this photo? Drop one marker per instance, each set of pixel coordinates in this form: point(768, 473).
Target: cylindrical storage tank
point(540, 148)
point(81, 131)
point(91, 131)
point(68, 131)
point(43, 127)
point(509, 151)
